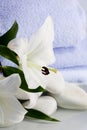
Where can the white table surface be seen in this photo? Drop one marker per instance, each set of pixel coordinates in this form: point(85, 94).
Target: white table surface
point(70, 120)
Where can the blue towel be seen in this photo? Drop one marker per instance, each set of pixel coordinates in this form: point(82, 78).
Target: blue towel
point(69, 18)
point(76, 74)
point(71, 57)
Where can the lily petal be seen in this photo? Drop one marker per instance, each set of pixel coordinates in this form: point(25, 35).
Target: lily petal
point(46, 104)
point(72, 97)
point(33, 75)
point(11, 111)
point(41, 44)
point(55, 82)
point(30, 97)
point(19, 45)
point(10, 84)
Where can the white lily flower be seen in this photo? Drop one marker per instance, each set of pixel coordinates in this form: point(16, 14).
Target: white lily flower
point(36, 53)
point(46, 104)
point(11, 111)
point(72, 97)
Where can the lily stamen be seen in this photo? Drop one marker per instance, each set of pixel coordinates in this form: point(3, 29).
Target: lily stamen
point(45, 70)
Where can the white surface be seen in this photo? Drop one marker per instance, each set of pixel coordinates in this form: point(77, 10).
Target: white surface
point(70, 120)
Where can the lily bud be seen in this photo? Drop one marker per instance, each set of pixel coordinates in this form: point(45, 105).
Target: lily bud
point(72, 97)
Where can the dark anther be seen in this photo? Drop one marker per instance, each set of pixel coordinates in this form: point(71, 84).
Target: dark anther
point(45, 70)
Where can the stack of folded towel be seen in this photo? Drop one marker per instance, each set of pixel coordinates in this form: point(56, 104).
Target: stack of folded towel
point(70, 42)
point(72, 62)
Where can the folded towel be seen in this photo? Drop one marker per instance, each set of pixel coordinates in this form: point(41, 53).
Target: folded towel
point(78, 74)
point(69, 18)
point(71, 56)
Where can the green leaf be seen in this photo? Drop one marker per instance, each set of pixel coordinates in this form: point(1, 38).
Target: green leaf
point(9, 35)
point(39, 115)
point(7, 70)
point(9, 54)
